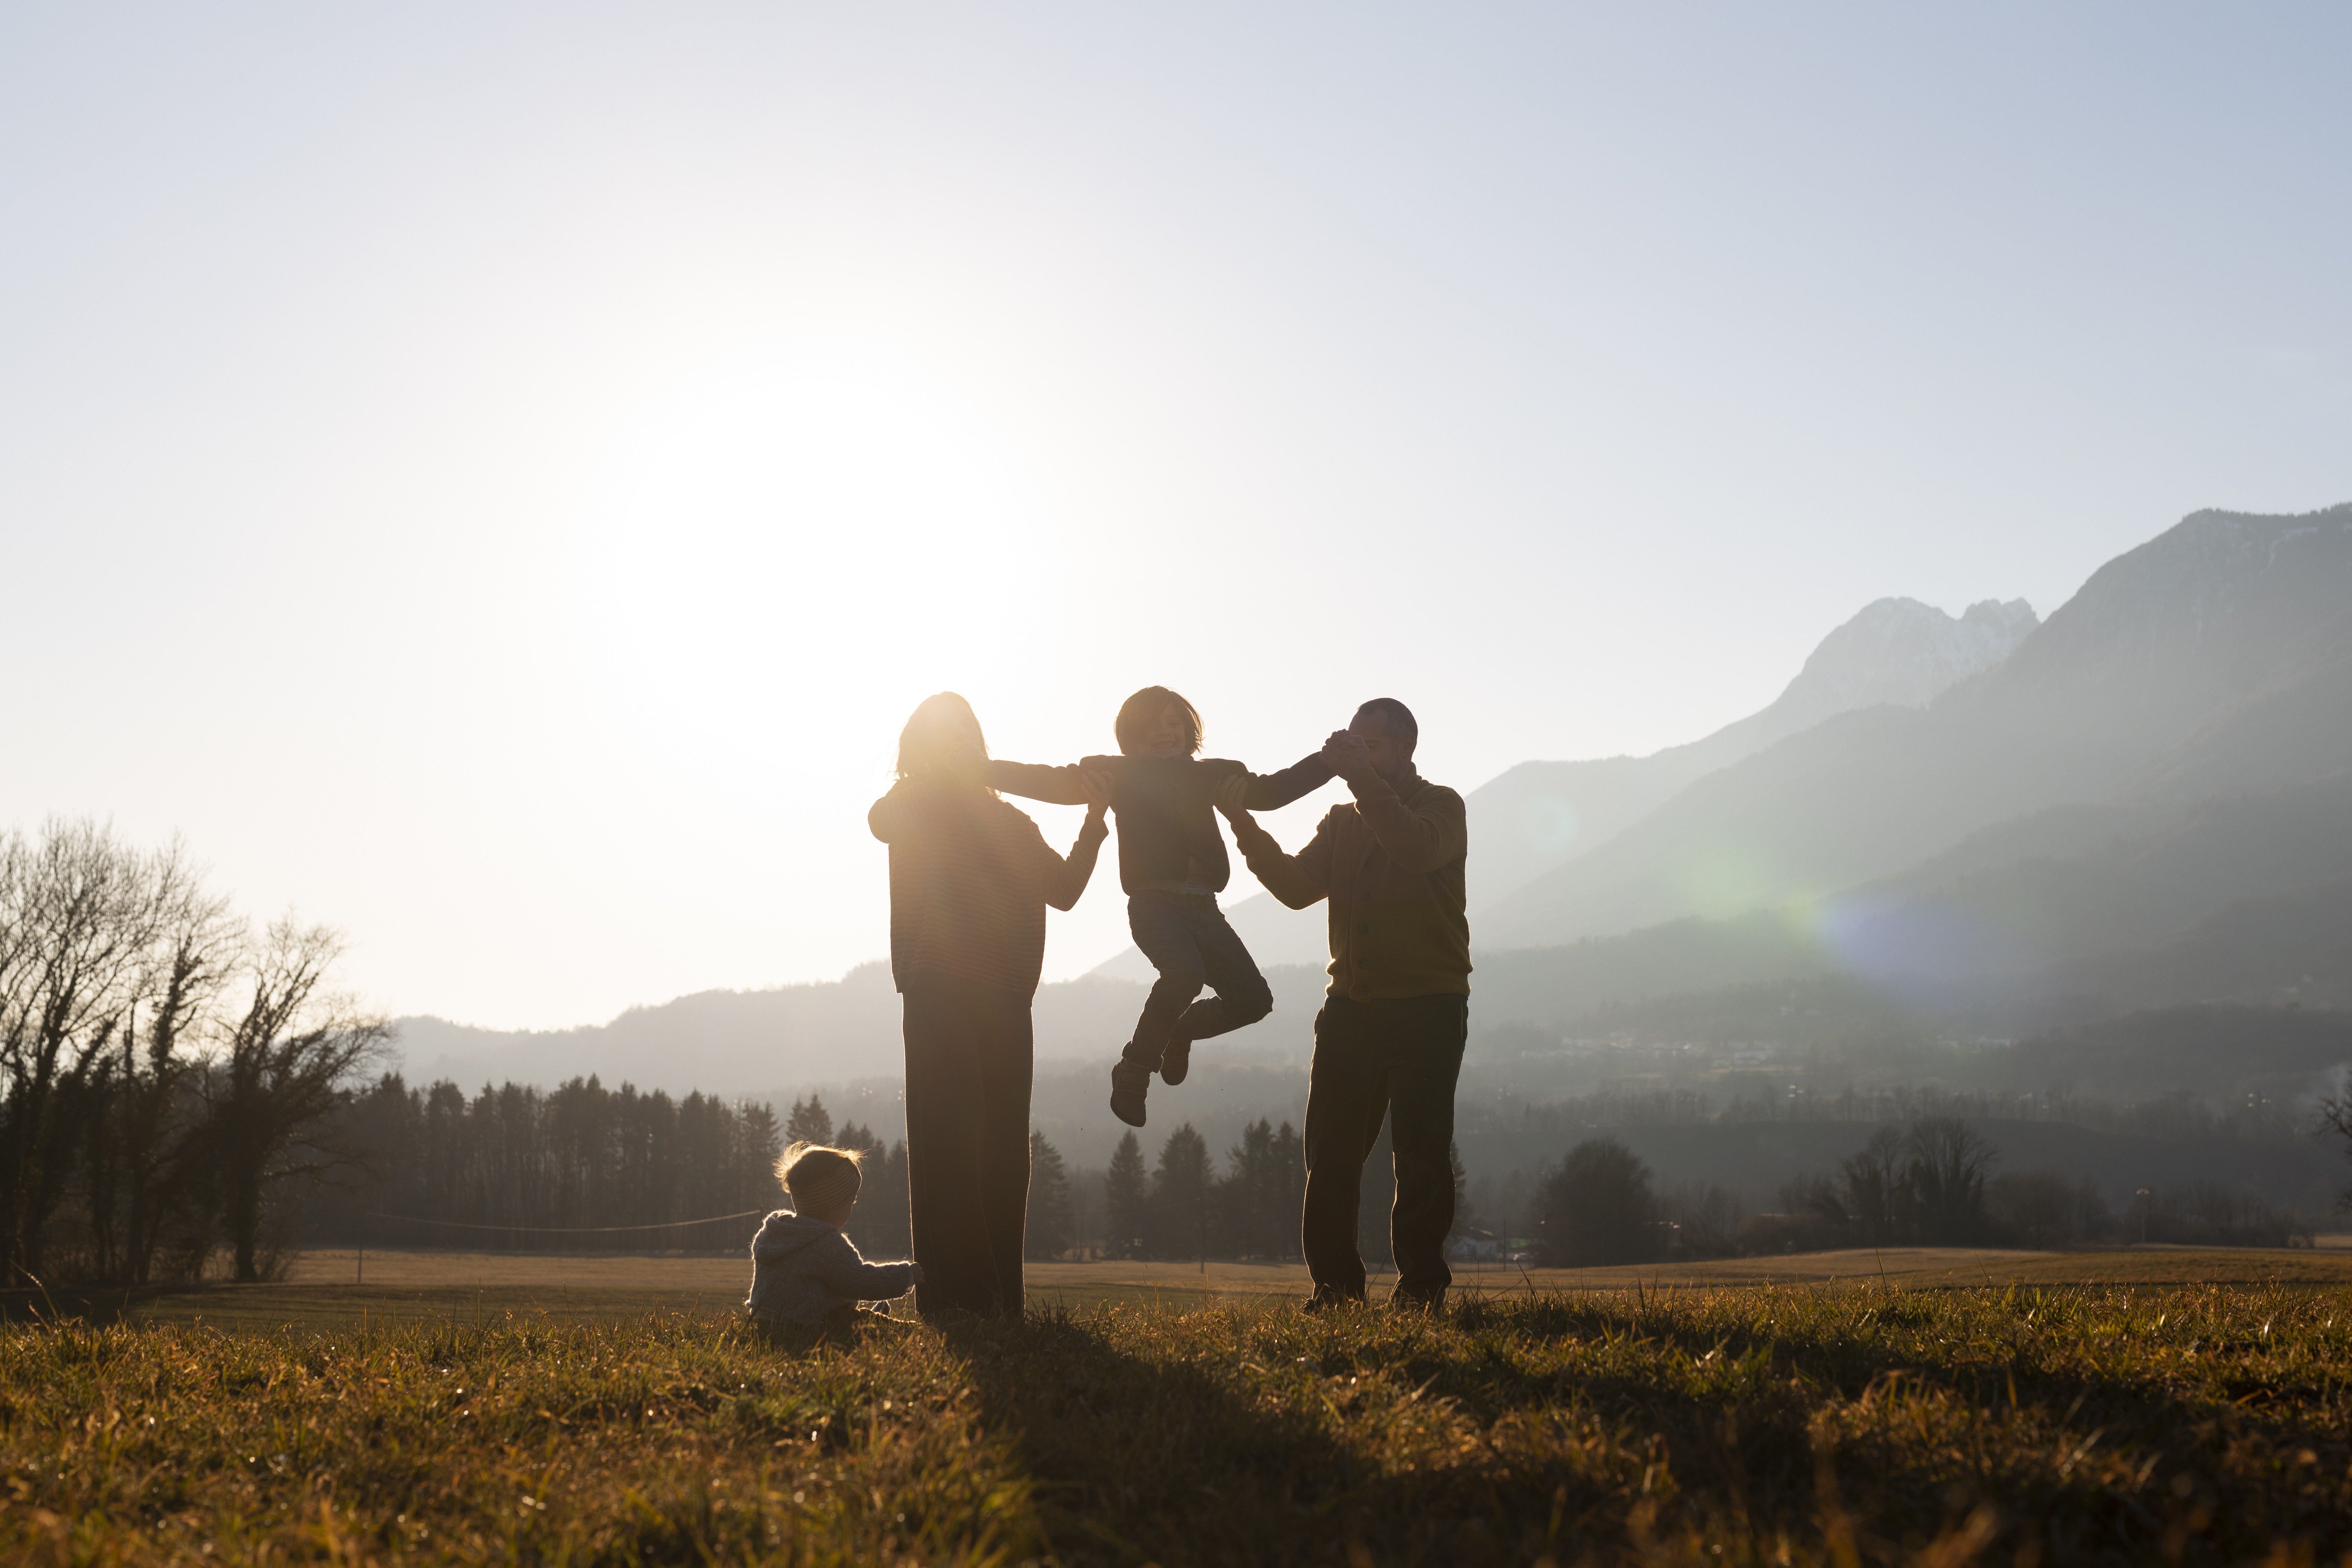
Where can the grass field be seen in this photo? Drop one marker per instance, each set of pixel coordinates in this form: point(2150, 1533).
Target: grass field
point(2164, 1407)
point(465, 1287)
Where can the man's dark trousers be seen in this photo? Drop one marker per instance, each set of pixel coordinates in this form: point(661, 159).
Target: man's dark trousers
point(1399, 1059)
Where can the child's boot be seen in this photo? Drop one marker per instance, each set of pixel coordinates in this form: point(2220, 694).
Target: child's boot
point(1176, 1061)
point(1128, 1081)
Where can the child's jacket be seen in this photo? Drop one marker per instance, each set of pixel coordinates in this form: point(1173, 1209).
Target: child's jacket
point(806, 1271)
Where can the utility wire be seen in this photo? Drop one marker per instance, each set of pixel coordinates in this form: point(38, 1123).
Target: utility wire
point(566, 1229)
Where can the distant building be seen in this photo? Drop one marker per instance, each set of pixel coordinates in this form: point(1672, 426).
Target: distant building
point(1475, 1246)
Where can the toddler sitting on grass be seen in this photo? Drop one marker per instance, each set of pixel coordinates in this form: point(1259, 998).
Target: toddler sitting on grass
point(803, 1269)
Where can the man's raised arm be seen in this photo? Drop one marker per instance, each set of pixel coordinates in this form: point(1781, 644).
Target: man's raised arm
point(1438, 834)
point(1298, 880)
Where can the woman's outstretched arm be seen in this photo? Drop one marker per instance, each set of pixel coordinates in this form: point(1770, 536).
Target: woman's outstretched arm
point(1067, 876)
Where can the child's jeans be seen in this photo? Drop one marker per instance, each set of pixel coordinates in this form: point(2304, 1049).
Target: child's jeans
point(1188, 943)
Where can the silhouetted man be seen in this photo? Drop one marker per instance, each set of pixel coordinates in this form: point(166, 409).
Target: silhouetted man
point(1389, 1039)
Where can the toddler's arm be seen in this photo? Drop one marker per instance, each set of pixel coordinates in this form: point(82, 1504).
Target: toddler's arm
point(838, 1268)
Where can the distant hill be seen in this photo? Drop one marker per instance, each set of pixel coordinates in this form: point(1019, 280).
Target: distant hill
point(2223, 1052)
point(2074, 912)
point(2217, 653)
point(1901, 652)
point(2060, 889)
point(753, 1042)
point(1538, 815)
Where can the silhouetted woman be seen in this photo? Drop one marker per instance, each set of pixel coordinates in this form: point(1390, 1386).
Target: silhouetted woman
point(970, 880)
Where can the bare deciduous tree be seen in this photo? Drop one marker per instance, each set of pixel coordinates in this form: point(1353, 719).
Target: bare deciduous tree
point(1873, 1190)
point(1949, 1164)
point(200, 947)
point(79, 916)
point(281, 1078)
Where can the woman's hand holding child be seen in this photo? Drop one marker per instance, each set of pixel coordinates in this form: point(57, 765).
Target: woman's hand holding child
point(1094, 787)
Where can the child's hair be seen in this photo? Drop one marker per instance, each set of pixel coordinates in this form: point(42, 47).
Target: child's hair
point(1142, 710)
point(941, 723)
point(818, 1176)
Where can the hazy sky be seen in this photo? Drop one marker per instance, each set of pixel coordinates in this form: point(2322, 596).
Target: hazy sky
point(497, 478)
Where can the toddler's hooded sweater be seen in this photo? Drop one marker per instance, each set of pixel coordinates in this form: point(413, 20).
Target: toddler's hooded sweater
point(806, 1271)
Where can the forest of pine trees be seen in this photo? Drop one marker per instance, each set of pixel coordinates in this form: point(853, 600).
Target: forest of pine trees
point(1184, 1209)
point(582, 1167)
point(579, 1167)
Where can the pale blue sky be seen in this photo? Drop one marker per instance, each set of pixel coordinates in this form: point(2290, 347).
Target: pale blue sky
point(497, 477)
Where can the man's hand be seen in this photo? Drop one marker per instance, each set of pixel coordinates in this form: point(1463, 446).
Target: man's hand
point(916, 1270)
point(1233, 797)
point(1095, 787)
point(1348, 756)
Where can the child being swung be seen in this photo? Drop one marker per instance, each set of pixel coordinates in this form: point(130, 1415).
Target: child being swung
point(803, 1269)
point(1172, 863)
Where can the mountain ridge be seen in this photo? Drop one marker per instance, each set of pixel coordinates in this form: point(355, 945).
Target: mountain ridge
point(2094, 704)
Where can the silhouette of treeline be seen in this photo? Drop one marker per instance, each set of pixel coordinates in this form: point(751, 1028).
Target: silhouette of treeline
point(578, 1168)
point(1182, 1206)
point(2177, 1114)
point(164, 1072)
point(1929, 1184)
point(573, 1168)
point(582, 1168)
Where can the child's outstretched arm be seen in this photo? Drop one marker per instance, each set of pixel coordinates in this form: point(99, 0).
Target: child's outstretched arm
point(1040, 781)
point(1272, 792)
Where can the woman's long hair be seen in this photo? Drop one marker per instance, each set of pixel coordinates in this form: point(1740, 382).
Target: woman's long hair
point(942, 743)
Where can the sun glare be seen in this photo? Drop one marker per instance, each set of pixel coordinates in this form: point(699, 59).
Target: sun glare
point(824, 526)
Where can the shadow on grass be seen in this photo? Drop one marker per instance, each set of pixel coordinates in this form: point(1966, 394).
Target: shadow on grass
point(1588, 1431)
point(1176, 1446)
point(2045, 1447)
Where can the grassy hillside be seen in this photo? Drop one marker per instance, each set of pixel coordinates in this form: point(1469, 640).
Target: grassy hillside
point(1752, 1424)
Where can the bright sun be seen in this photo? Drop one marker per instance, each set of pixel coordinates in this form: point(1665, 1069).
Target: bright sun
point(821, 520)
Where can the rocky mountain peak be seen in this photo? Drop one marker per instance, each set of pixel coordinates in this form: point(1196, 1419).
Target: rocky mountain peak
point(1903, 652)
